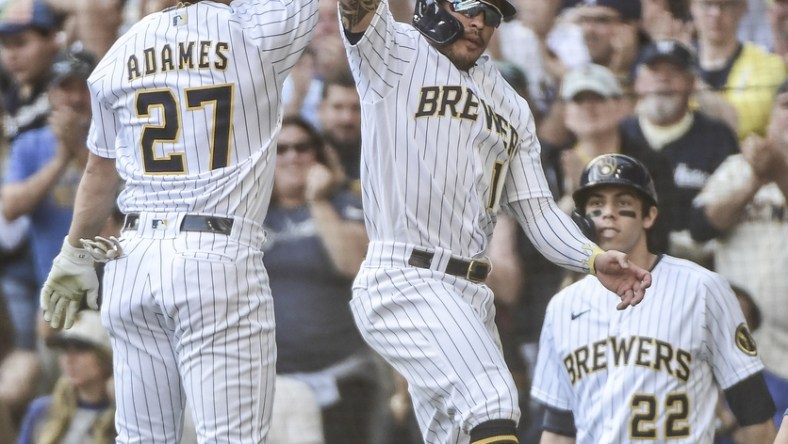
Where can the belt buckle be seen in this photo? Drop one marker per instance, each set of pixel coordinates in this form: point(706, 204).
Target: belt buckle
point(482, 267)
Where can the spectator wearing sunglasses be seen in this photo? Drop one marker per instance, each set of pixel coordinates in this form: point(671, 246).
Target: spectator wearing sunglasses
point(316, 241)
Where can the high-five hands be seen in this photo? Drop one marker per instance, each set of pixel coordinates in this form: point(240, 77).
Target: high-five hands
point(619, 275)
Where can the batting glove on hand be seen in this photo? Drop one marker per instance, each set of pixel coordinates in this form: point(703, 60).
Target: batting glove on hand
point(102, 249)
point(72, 276)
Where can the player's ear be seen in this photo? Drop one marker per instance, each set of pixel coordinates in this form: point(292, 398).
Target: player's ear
point(650, 216)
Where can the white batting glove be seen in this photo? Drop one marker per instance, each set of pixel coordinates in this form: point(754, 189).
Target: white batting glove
point(72, 277)
point(102, 249)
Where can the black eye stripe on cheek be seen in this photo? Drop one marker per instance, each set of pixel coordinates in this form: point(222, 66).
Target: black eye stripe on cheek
point(595, 213)
point(627, 213)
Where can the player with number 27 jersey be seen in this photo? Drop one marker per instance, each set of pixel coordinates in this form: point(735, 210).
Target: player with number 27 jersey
point(161, 94)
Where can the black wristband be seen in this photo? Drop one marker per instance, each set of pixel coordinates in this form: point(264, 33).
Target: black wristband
point(750, 401)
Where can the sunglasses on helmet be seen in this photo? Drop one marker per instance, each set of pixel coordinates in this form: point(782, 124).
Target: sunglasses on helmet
point(472, 8)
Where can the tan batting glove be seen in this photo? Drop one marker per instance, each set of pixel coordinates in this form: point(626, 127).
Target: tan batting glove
point(102, 249)
point(72, 277)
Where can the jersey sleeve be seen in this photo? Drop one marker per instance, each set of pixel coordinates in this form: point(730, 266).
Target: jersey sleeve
point(732, 350)
point(379, 58)
point(103, 125)
point(525, 178)
point(551, 383)
point(281, 28)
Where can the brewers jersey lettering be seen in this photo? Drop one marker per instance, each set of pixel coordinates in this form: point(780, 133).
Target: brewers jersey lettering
point(650, 374)
point(188, 103)
point(442, 150)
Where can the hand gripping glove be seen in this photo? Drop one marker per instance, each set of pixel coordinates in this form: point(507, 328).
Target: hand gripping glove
point(102, 249)
point(72, 276)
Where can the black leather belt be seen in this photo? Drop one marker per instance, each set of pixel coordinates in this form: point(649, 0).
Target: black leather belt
point(472, 270)
point(205, 224)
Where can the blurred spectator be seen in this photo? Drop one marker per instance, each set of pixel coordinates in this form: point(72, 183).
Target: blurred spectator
point(667, 19)
point(340, 120)
point(324, 57)
point(611, 33)
point(695, 143)
point(594, 108)
point(316, 242)
point(7, 428)
point(523, 282)
point(91, 24)
point(778, 19)
point(46, 164)
point(743, 73)
point(743, 206)
point(542, 47)
point(79, 410)
point(754, 26)
point(28, 45)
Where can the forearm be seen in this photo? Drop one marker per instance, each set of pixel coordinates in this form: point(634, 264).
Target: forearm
point(346, 241)
point(554, 438)
point(763, 432)
point(723, 214)
point(23, 197)
point(782, 183)
point(95, 199)
point(357, 14)
point(553, 233)
point(715, 105)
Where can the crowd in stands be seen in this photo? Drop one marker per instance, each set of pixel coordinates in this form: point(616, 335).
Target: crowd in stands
point(695, 89)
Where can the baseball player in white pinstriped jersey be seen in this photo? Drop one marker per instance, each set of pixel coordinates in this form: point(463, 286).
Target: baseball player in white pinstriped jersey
point(186, 111)
point(446, 142)
point(652, 374)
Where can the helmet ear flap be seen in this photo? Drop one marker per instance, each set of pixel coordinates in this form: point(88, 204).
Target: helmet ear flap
point(586, 225)
point(436, 23)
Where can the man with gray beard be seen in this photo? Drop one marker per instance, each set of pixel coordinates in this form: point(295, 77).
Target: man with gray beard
point(695, 143)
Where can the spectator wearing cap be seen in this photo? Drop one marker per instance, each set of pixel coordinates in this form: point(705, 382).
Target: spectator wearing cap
point(741, 72)
point(611, 33)
point(594, 108)
point(695, 143)
point(743, 206)
point(46, 164)
point(28, 45)
point(80, 409)
point(40, 181)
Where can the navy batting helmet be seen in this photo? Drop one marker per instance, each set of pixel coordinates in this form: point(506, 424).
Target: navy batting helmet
point(615, 169)
point(440, 27)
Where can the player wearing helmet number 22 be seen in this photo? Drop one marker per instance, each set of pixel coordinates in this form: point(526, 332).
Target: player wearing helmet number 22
point(447, 144)
point(651, 374)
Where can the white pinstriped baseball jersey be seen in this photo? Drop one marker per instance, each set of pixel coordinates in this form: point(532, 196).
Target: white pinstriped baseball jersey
point(209, 72)
point(650, 373)
point(416, 104)
point(188, 103)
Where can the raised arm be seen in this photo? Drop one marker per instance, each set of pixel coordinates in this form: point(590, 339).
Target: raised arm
point(357, 14)
point(558, 238)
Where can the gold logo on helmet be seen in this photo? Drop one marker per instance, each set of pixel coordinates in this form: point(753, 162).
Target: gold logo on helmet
point(606, 166)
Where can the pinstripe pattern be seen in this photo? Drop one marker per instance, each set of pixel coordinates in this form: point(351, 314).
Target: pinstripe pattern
point(439, 333)
point(690, 318)
point(443, 151)
point(265, 41)
point(190, 314)
point(427, 180)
